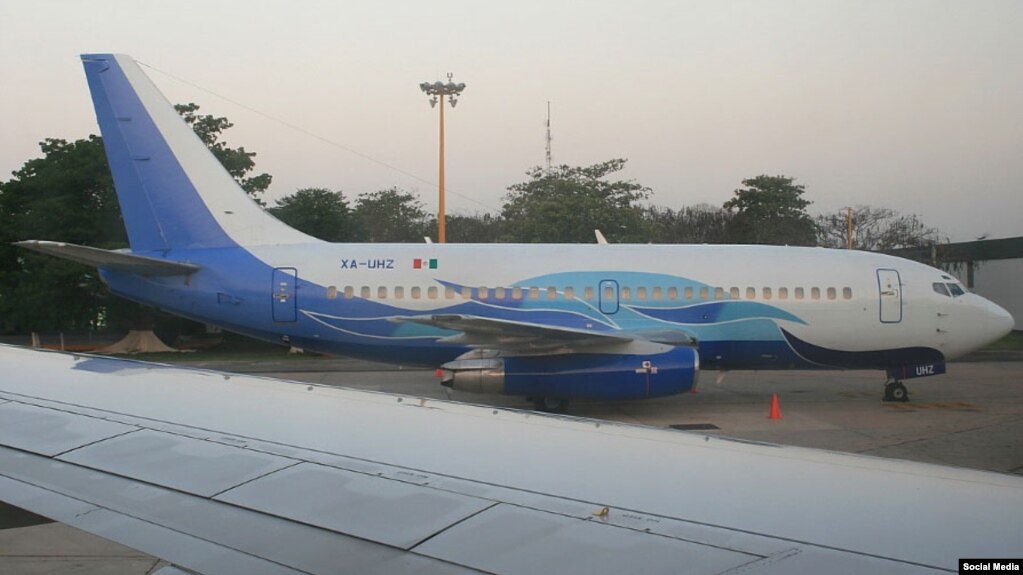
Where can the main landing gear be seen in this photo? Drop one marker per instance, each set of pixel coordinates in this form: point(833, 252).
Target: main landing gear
point(894, 390)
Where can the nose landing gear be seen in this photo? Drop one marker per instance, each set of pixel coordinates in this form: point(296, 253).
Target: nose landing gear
point(894, 390)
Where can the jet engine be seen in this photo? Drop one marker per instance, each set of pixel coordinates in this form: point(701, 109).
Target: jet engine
point(575, 375)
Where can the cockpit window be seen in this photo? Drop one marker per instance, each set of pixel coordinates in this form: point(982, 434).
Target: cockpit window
point(940, 288)
point(956, 290)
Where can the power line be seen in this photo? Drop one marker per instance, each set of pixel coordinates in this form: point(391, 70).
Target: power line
point(313, 135)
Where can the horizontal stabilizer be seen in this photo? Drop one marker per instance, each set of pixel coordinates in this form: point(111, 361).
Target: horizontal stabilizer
point(111, 260)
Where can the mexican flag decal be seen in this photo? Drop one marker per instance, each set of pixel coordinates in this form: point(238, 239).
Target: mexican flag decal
point(419, 264)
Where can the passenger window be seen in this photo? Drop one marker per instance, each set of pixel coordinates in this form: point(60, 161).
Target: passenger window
point(417, 292)
point(499, 293)
point(625, 294)
point(516, 293)
point(783, 293)
point(704, 293)
point(673, 293)
point(815, 293)
point(956, 290)
point(588, 294)
point(399, 293)
point(688, 293)
point(382, 292)
point(609, 293)
point(733, 292)
point(552, 293)
point(364, 292)
point(751, 293)
point(719, 293)
point(349, 292)
point(832, 294)
point(332, 292)
point(482, 293)
point(431, 292)
point(641, 293)
point(569, 293)
point(846, 293)
point(449, 292)
point(767, 292)
point(655, 294)
point(534, 293)
point(799, 293)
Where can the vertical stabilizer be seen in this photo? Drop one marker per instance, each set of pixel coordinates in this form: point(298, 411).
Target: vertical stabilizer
point(174, 194)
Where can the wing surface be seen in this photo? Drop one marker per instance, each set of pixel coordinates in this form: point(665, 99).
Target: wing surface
point(113, 260)
point(495, 333)
point(222, 473)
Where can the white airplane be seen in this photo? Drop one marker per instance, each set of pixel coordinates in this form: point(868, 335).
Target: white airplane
point(547, 322)
point(222, 474)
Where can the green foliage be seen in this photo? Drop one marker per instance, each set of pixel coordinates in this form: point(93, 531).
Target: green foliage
point(470, 229)
point(67, 195)
point(770, 210)
point(319, 212)
point(700, 224)
point(391, 215)
point(565, 204)
point(236, 161)
point(876, 229)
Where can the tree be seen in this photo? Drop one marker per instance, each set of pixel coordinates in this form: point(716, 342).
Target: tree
point(699, 224)
point(465, 229)
point(67, 195)
point(391, 215)
point(236, 161)
point(566, 203)
point(874, 229)
point(318, 212)
point(770, 210)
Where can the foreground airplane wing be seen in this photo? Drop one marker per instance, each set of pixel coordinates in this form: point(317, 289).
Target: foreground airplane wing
point(220, 473)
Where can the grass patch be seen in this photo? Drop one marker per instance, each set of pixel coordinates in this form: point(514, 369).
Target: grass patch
point(1013, 341)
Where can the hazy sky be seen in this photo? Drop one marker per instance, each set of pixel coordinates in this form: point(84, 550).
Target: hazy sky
point(911, 105)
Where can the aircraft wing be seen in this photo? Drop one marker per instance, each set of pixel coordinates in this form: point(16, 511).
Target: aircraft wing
point(109, 259)
point(221, 473)
point(504, 334)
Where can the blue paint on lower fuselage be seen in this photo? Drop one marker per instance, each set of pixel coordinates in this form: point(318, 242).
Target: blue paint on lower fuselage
point(233, 290)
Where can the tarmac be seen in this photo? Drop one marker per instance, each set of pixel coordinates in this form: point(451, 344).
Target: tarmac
point(970, 417)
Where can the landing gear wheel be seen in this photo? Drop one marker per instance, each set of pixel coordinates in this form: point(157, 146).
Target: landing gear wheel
point(895, 391)
point(550, 404)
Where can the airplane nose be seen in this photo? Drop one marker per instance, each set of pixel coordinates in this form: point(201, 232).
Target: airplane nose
point(1001, 322)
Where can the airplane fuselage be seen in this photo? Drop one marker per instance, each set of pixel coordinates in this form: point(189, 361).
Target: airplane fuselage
point(748, 307)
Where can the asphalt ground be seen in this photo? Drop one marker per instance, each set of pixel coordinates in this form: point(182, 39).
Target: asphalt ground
point(970, 417)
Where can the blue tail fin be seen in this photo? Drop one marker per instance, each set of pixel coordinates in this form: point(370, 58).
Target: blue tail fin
point(173, 192)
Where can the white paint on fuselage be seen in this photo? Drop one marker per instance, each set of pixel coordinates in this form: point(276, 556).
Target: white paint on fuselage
point(954, 326)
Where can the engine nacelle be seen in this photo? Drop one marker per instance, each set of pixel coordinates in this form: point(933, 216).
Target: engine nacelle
point(576, 376)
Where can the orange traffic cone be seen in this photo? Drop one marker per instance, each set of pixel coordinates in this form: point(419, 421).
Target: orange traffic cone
point(775, 412)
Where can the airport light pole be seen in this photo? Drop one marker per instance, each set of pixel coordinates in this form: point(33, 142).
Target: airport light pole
point(437, 91)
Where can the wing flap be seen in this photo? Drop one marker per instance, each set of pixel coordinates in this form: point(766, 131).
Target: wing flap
point(108, 259)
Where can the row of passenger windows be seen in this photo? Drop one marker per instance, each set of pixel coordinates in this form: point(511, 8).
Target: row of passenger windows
point(588, 293)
